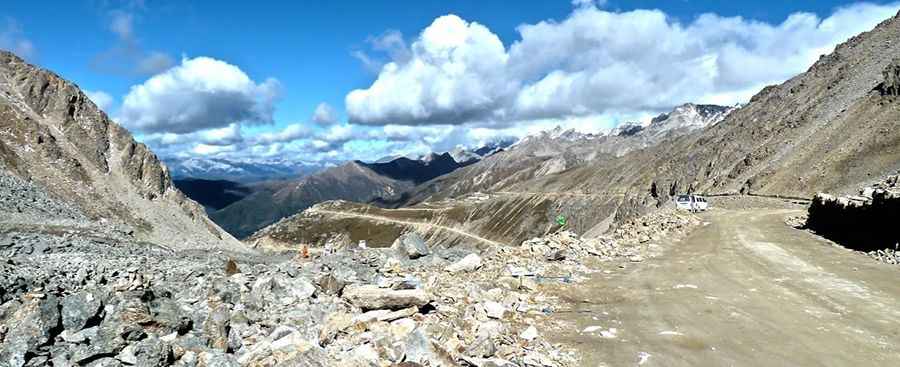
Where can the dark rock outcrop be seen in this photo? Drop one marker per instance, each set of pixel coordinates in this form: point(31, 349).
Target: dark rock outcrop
point(867, 222)
point(891, 84)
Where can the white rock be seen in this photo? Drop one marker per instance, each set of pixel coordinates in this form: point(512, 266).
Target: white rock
point(401, 328)
point(370, 297)
point(467, 264)
point(410, 245)
point(127, 355)
point(494, 310)
point(530, 333)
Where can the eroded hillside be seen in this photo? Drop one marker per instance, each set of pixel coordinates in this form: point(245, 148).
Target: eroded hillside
point(55, 138)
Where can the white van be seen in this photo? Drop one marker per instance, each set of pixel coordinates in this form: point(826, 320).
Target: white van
point(694, 203)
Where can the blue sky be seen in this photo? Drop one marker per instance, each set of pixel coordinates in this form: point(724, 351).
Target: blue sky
point(231, 79)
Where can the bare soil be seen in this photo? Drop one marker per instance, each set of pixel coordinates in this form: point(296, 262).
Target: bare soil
point(744, 289)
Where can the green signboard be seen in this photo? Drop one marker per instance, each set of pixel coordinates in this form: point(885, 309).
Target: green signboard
point(561, 220)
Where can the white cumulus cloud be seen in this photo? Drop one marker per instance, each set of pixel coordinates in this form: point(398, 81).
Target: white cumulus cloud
point(324, 114)
point(596, 62)
point(200, 93)
point(455, 72)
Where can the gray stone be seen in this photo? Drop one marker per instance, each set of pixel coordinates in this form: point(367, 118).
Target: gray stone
point(411, 245)
point(216, 359)
point(279, 290)
point(370, 297)
point(78, 308)
point(469, 263)
point(482, 347)
point(330, 284)
point(105, 362)
point(530, 333)
point(152, 352)
point(217, 325)
point(419, 349)
point(30, 327)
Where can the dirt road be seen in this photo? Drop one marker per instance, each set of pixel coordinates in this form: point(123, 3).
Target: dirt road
point(415, 224)
point(743, 290)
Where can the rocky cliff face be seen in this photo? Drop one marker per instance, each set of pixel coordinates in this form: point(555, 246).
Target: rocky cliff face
point(54, 137)
point(554, 151)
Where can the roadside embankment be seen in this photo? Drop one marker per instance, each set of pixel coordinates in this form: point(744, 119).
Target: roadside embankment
point(867, 222)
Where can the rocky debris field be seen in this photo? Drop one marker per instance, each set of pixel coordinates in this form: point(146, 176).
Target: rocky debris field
point(865, 222)
point(22, 201)
point(71, 297)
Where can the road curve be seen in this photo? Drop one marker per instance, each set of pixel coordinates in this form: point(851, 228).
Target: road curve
point(383, 219)
point(742, 290)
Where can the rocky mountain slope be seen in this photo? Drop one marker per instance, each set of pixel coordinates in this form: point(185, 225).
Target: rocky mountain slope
point(355, 181)
point(274, 200)
point(829, 129)
point(55, 144)
point(555, 151)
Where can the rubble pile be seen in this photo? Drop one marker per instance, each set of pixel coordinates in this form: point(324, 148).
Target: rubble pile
point(663, 223)
point(888, 256)
point(864, 222)
point(70, 298)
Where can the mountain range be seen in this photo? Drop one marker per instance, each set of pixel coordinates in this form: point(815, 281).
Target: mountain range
point(353, 181)
point(832, 128)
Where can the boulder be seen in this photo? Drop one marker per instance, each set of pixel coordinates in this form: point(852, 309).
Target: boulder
point(152, 352)
point(283, 344)
point(216, 359)
point(482, 347)
point(279, 290)
point(105, 362)
point(411, 245)
point(371, 297)
point(30, 327)
point(217, 325)
point(469, 263)
point(334, 324)
point(530, 333)
point(330, 284)
point(78, 308)
point(494, 310)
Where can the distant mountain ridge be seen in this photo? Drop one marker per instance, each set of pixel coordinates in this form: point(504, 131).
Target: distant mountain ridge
point(274, 200)
point(416, 171)
point(353, 181)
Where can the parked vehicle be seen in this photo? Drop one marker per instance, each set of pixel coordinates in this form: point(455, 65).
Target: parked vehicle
point(694, 203)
